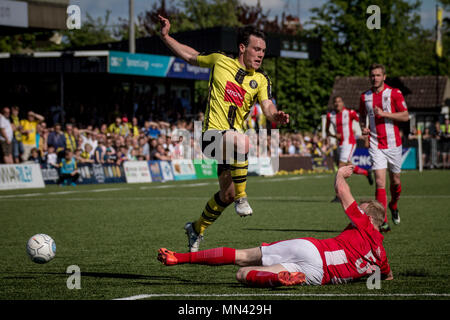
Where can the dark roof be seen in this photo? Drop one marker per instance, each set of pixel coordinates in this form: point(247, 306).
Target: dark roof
point(204, 40)
point(208, 40)
point(419, 92)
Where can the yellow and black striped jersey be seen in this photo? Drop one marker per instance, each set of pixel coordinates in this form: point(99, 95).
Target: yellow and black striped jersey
point(232, 92)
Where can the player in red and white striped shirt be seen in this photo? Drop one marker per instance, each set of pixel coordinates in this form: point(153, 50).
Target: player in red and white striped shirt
point(355, 253)
point(341, 119)
point(385, 106)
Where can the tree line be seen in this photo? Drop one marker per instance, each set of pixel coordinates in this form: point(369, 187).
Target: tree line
point(302, 87)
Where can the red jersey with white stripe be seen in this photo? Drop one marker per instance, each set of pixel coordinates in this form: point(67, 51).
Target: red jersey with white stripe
point(384, 133)
point(343, 124)
point(355, 252)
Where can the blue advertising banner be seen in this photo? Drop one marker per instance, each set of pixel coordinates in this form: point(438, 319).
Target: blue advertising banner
point(153, 65)
point(166, 170)
point(181, 69)
point(361, 158)
point(409, 159)
point(89, 174)
point(139, 64)
point(114, 173)
point(155, 170)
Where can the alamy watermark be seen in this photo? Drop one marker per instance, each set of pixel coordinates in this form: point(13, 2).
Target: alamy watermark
point(374, 21)
point(228, 146)
point(74, 280)
point(374, 280)
point(73, 17)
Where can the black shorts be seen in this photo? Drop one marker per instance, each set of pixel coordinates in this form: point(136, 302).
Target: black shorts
point(207, 141)
point(445, 146)
point(211, 151)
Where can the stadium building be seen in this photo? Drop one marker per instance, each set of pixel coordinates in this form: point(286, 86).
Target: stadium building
point(91, 84)
point(427, 97)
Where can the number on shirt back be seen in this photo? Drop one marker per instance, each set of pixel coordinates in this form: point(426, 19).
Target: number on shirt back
point(366, 267)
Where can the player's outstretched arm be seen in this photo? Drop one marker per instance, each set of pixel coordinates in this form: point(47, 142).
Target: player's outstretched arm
point(342, 188)
point(182, 51)
point(272, 114)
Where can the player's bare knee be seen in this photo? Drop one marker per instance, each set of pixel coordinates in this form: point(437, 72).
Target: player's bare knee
point(380, 183)
point(395, 180)
point(245, 144)
point(242, 258)
point(241, 143)
point(249, 257)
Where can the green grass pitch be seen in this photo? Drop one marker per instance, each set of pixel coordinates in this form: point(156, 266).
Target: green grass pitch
point(112, 232)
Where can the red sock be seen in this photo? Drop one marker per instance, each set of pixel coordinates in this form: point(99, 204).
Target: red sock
point(213, 257)
point(262, 279)
point(380, 195)
point(395, 195)
point(358, 170)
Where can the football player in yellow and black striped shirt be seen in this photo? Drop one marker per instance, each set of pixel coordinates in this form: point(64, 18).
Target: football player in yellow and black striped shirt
point(235, 85)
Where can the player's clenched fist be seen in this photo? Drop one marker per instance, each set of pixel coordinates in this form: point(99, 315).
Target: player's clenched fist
point(345, 171)
point(165, 25)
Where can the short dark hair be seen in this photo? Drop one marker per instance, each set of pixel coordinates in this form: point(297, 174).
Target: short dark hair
point(377, 66)
point(244, 34)
point(337, 96)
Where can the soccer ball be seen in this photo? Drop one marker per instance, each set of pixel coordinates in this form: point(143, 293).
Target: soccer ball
point(41, 248)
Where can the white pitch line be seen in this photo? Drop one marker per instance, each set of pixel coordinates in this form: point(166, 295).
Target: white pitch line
point(318, 295)
point(200, 184)
point(109, 189)
point(189, 185)
point(21, 195)
point(61, 192)
point(112, 199)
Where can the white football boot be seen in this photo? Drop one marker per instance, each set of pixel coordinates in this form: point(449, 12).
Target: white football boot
point(194, 238)
point(242, 207)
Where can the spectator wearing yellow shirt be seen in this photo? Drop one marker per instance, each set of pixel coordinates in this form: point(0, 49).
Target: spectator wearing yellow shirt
point(133, 126)
point(118, 127)
point(29, 132)
point(70, 140)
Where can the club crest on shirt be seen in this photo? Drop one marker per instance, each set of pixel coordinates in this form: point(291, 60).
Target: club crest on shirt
point(253, 84)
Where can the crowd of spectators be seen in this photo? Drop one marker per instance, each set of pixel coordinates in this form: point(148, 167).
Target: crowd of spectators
point(122, 140)
point(305, 144)
point(435, 144)
point(30, 139)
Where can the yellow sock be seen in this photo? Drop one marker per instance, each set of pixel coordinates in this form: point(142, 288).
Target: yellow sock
point(213, 209)
point(239, 172)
